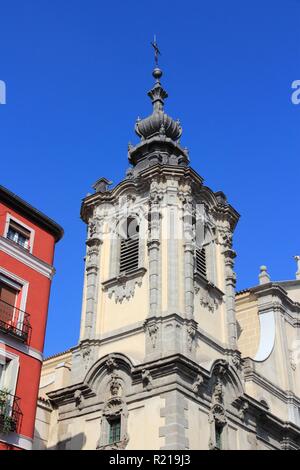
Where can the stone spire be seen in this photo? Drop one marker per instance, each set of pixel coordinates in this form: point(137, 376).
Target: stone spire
point(159, 133)
point(158, 123)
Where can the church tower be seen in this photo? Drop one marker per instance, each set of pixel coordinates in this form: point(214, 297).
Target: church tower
point(169, 355)
point(159, 291)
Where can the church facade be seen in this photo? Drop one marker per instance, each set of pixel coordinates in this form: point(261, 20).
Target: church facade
point(170, 356)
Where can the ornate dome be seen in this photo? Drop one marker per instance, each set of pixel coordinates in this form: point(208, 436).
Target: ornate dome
point(159, 123)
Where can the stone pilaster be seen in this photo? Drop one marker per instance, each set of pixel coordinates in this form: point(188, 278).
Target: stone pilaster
point(189, 255)
point(154, 255)
point(230, 283)
point(92, 279)
point(172, 233)
point(176, 423)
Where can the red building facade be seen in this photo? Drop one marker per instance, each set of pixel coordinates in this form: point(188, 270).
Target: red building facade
point(27, 242)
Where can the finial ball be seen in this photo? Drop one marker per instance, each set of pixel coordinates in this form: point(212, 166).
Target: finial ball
point(157, 73)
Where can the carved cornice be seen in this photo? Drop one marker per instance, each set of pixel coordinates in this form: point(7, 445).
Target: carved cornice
point(276, 290)
point(151, 327)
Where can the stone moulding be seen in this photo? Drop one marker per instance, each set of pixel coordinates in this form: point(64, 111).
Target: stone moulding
point(123, 285)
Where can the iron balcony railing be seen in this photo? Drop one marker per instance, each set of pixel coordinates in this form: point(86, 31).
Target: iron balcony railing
point(14, 322)
point(10, 413)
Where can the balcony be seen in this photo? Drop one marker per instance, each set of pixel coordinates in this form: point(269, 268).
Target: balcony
point(10, 413)
point(14, 322)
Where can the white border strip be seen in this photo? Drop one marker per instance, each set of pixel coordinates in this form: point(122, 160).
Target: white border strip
point(15, 344)
point(26, 258)
point(18, 440)
point(9, 217)
point(22, 283)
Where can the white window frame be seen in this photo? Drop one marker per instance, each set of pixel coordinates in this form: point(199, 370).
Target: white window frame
point(10, 381)
point(115, 243)
point(10, 218)
point(16, 282)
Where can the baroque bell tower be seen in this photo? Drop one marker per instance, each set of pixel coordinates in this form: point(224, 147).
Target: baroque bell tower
point(158, 327)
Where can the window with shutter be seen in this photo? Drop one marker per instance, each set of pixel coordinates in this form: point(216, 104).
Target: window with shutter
point(8, 297)
point(200, 261)
point(129, 249)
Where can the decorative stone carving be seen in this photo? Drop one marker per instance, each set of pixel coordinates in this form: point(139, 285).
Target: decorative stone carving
point(146, 379)
point(123, 286)
point(121, 445)
point(217, 395)
point(111, 364)
point(277, 306)
point(152, 330)
point(191, 335)
point(217, 414)
point(86, 356)
point(115, 386)
point(210, 296)
point(79, 400)
point(207, 301)
point(224, 237)
point(156, 195)
point(243, 409)
point(93, 228)
point(230, 283)
point(221, 369)
point(115, 406)
point(198, 384)
point(236, 359)
point(112, 406)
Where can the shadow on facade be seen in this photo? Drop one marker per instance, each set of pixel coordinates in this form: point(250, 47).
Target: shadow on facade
point(72, 443)
point(76, 442)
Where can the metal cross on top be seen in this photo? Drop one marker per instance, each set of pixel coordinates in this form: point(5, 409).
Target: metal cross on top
point(156, 50)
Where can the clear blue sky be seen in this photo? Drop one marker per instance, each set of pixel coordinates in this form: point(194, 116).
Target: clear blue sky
point(77, 73)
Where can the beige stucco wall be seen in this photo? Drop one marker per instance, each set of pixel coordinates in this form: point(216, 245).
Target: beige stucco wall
point(113, 315)
point(212, 322)
point(42, 424)
point(144, 421)
point(198, 431)
point(55, 373)
point(132, 346)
